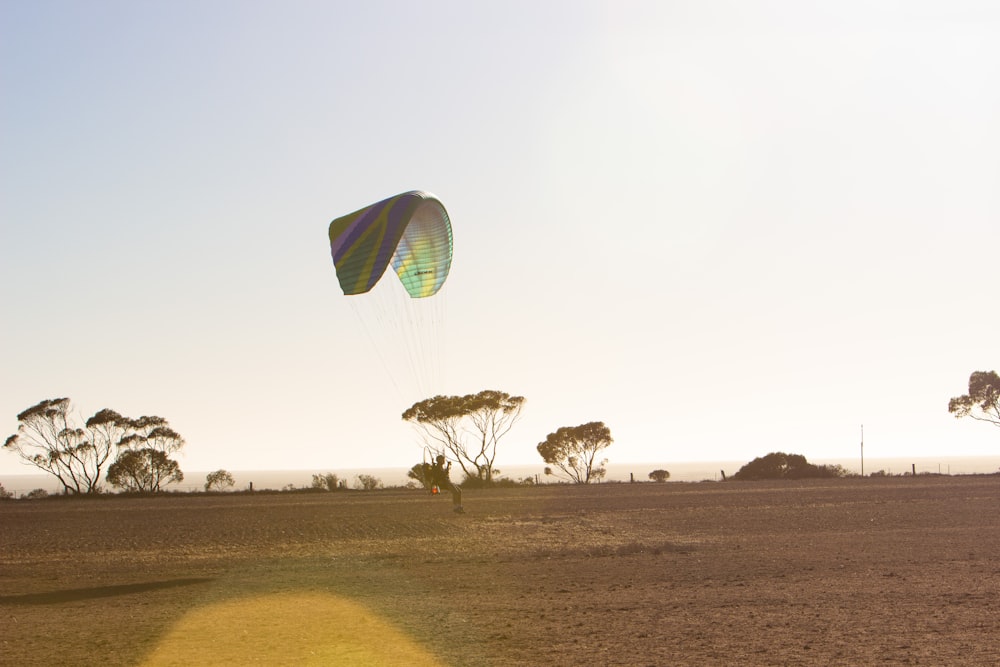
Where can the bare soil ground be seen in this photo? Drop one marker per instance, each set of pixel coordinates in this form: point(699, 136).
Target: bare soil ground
point(842, 572)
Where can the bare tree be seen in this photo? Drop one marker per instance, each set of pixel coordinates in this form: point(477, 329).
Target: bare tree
point(983, 400)
point(468, 427)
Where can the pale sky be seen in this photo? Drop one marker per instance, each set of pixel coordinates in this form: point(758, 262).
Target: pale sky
point(721, 228)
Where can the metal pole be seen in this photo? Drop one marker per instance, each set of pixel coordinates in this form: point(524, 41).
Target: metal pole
point(862, 450)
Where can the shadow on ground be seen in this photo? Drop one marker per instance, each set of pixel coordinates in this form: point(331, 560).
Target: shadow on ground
point(94, 592)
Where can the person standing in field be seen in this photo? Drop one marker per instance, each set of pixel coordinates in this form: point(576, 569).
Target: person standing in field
point(440, 478)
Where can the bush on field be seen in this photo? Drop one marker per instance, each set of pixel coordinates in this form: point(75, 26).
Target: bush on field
point(327, 482)
point(508, 483)
point(778, 465)
point(422, 474)
point(367, 482)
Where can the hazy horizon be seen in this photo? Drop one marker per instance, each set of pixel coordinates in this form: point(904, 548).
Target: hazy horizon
point(618, 471)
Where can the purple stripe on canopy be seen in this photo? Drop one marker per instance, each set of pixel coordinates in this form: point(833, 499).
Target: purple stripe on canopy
point(396, 219)
point(346, 241)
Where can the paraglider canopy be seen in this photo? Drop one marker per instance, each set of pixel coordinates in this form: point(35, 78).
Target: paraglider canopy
point(411, 230)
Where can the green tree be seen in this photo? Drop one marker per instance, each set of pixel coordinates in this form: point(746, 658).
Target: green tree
point(573, 450)
point(659, 475)
point(219, 480)
point(469, 427)
point(144, 470)
point(983, 400)
point(5, 494)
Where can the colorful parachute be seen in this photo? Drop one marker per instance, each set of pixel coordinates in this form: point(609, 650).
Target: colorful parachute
point(411, 229)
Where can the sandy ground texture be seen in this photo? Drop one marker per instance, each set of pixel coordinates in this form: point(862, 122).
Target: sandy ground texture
point(846, 572)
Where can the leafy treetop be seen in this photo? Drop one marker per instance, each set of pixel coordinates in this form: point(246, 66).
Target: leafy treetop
point(573, 450)
point(983, 400)
point(468, 427)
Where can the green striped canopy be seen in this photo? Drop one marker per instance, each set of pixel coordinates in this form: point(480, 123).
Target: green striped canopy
point(412, 230)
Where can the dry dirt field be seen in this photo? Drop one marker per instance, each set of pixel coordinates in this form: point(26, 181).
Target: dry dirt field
point(843, 572)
